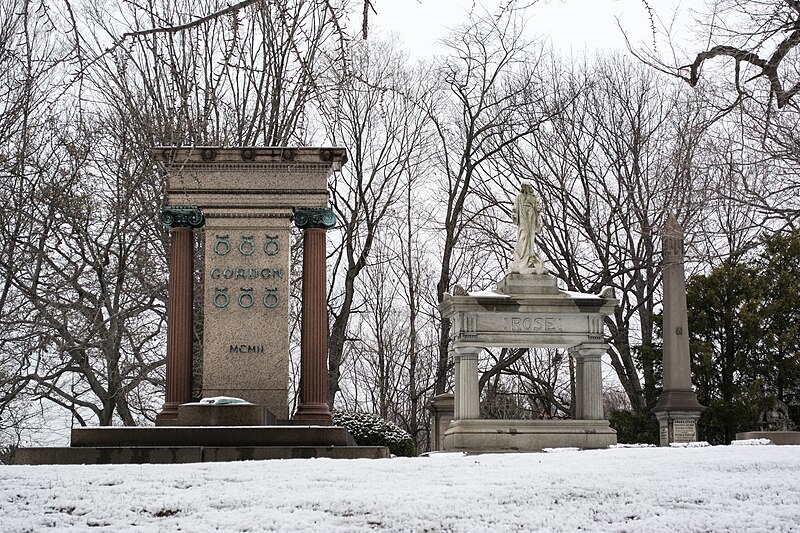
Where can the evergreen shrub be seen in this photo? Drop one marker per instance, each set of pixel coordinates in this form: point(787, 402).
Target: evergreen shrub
point(7, 453)
point(633, 427)
point(369, 429)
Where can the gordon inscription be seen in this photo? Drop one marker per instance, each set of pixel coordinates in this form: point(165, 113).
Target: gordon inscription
point(246, 297)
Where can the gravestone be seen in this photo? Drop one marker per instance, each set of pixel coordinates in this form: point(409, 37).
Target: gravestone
point(527, 310)
point(248, 197)
point(774, 424)
point(677, 409)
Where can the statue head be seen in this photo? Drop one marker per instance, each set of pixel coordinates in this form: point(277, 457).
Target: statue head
point(526, 188)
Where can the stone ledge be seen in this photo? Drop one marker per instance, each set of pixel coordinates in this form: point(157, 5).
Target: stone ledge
point(189, 454)
point(501, 436)
point(222, 436)
point(780, 438)
point(232, 414)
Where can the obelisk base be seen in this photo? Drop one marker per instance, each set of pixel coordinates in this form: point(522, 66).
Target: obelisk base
point(677, 426)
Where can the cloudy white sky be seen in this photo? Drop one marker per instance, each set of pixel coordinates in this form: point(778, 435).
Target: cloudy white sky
point(571, 25)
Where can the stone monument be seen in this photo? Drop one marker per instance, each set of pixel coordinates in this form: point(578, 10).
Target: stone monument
point(677, 408)
point(774, 424)
point(527, 310)
point(249, 197)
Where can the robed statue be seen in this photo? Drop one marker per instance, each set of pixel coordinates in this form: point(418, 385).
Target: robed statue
point(528, 218)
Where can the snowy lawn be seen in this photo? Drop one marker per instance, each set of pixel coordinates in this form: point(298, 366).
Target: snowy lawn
point(715, 489)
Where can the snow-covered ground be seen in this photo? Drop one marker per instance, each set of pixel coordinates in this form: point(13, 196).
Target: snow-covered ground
point(724, 488)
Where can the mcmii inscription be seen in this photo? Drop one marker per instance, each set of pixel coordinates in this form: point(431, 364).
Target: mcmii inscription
point(246, 348)
point(240, 293)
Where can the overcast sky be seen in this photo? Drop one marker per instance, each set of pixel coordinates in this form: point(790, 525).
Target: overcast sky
point(571, 25)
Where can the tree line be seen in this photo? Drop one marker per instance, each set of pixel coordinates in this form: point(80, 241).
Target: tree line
point(437, 152)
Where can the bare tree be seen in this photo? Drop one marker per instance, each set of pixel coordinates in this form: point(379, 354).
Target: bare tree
point(375, 113)
point(489, 70)
point(607, 169)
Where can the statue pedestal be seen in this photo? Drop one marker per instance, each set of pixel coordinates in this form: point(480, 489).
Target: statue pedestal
point(524, 283)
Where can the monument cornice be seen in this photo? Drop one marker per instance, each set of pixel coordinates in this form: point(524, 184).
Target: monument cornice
point(558, 304)
point(262, 166)
point(250, 156)
point(250, 192)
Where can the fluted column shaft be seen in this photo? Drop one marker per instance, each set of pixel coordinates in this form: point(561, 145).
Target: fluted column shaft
point(578, 384)
point(313, 407)
point(467, 393)
point(592, 386)
point(180, 309)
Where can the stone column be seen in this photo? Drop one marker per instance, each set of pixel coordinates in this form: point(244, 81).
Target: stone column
point(467, 399)
point(592, 386)
point(578, 383)
point(441, 407)
point(180, 302)
point(456, 387)
point(313, 406)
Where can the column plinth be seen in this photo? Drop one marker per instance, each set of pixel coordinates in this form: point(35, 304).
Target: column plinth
point(313, 407)
point(181, 222)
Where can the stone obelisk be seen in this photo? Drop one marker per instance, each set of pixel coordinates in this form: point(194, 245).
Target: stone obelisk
point(677, 408)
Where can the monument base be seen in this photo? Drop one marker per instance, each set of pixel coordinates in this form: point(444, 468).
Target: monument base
point(231, 414)
point(164, 445)
point(499, 436)
point(677, 426)
point(781, 438)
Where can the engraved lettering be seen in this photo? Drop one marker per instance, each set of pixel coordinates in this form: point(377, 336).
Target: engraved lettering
point(215, 274)
point(246, 348)
point(535, 324)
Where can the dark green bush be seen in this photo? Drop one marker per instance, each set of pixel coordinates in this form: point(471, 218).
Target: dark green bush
point(371, 430)
point(7, 453)
point(634, 428)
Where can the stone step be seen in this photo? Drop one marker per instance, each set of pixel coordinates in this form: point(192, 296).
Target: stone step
point(219, 436)
point(189, 454)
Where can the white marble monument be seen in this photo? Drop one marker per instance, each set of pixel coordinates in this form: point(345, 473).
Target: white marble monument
point(527, 310)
